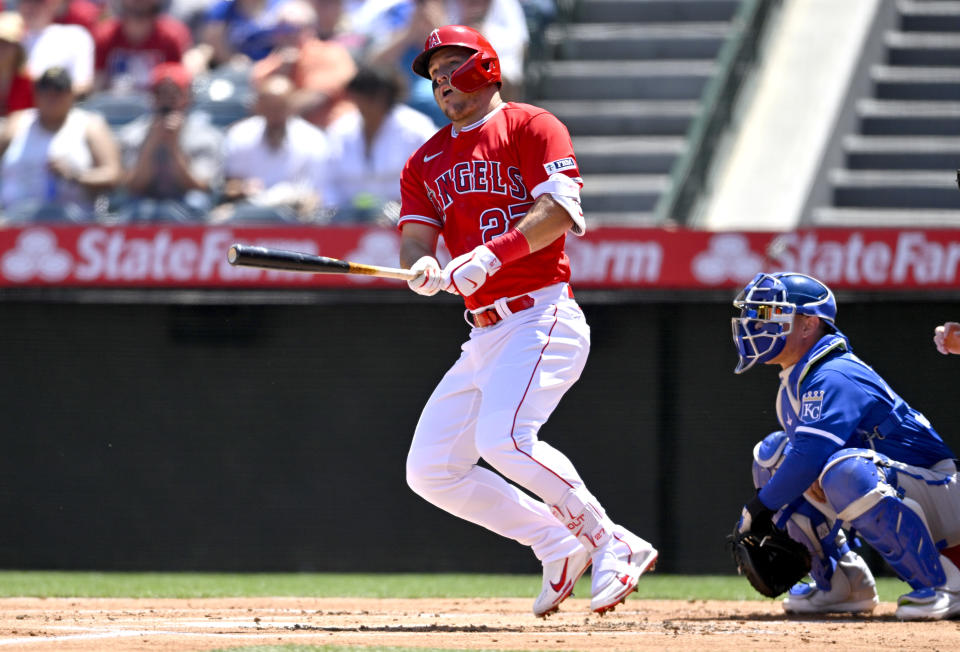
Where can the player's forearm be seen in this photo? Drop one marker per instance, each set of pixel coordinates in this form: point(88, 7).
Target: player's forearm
point(797, 472)
point(544, 223)
point(413, 250)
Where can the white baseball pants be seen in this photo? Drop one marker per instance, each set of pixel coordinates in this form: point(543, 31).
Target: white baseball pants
point(491, 404)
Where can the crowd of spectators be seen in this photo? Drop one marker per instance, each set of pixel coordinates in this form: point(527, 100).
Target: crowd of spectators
point(212, 111)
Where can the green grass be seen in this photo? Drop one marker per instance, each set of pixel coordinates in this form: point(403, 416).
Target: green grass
point(329, 585)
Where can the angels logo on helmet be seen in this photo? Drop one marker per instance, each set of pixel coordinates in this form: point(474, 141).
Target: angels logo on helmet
point(479, 70)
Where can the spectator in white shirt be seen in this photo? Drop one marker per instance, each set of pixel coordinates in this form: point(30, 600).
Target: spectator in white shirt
point(277, 165)
point(50, 44)
point(374, 143)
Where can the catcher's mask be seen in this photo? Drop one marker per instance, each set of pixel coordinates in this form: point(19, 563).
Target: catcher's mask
point(481, 69)
point(767, 308)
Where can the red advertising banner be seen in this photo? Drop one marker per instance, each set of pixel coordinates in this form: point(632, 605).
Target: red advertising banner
point(616, 258)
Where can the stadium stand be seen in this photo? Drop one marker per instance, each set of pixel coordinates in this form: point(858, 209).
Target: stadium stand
point(627, 77)
point(897, 144)
point(862, 101)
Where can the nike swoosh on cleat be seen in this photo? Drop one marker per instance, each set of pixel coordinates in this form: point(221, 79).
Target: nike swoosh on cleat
point(563, 578)
point(429, 158)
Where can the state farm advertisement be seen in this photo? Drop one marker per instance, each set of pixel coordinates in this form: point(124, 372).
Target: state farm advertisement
point(186, 256)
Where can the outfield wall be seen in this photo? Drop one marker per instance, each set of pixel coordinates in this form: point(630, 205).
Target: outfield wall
point(183, 436)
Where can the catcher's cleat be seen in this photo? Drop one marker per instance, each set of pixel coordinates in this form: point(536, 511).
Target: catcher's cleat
point(852, 590)
point(933, 603)
point(617, 567)
point(928, 604)
point(559, 578)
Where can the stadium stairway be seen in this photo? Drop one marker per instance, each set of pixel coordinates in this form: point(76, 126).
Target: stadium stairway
point(626, 77)
point(897, 163)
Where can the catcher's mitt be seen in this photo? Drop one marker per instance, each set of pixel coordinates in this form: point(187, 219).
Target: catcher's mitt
point(772, 561)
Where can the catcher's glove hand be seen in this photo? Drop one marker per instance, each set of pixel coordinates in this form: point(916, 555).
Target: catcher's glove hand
point(771, 560)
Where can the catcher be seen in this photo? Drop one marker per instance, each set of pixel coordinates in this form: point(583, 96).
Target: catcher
point(852, 454)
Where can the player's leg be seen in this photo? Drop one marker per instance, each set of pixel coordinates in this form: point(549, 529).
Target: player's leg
point(901, 511)
point(532, 362)
point(442, 468)
point(843, 582)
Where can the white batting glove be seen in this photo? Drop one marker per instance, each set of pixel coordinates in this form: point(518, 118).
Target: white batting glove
point(947, 338)
point(466, 273)
point(428, 279)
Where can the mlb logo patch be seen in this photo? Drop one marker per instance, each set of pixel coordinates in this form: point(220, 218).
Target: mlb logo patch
point(560, 164)
point(810, 405)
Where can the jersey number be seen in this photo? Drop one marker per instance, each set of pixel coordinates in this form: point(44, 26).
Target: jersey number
point(496, 221)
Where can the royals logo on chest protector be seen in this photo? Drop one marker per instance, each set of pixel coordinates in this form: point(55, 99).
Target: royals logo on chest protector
point(810, 406)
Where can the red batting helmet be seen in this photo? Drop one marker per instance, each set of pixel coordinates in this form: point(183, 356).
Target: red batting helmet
point(479, 70)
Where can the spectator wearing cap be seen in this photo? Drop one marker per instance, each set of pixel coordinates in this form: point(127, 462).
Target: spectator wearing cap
point(171, 155)
point(131, 44)
point(319, 69)
point(275, 160)
point(56, 157)
point(16, 88)
point(49, 45)
point(374, 144)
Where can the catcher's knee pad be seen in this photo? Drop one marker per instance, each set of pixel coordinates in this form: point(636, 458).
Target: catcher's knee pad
point(895, 528)
point(767, 456)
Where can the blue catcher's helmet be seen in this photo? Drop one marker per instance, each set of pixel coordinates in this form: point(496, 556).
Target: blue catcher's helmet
point(767, 306)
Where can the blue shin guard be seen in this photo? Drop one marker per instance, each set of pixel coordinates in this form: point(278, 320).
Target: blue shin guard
point(901, 537)
point(826, 544)
point(858, 490)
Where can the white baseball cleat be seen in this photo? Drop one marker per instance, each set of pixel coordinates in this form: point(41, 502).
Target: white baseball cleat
point(928, 604)
point(933, 603)
point(559, 577)
point(852, 590)
point(617, 567)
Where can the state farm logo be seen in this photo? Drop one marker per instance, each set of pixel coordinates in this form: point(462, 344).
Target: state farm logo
point(616, 261)
point(908, 257)
point(36, 255)
point(728, 258)
point(117, 256)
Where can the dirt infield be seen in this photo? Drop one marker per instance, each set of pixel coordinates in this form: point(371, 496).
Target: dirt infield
point(203, 624)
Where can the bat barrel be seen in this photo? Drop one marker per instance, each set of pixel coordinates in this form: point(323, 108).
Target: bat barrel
point(294, 261)
point(253, 256)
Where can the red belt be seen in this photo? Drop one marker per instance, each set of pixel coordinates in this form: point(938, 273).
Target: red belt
point(490, 316)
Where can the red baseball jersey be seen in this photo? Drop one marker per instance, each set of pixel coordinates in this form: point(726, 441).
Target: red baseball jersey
point(116, 55)
point(473, 185)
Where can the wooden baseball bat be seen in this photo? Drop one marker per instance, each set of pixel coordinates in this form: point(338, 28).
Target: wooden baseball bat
point(268, 258)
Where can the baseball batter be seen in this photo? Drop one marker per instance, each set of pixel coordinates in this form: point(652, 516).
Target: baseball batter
point(501, 185)
point(852, 453)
